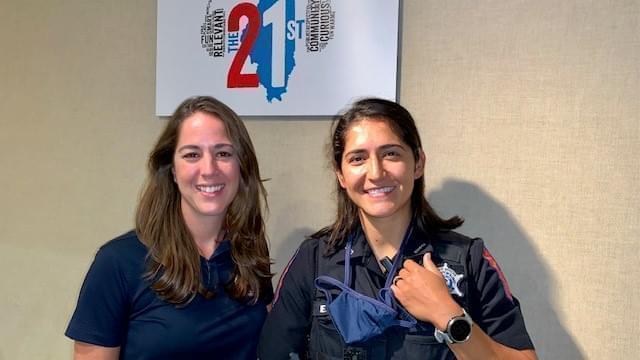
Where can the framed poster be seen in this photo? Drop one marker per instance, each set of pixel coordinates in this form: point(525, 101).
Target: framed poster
point(276, 57)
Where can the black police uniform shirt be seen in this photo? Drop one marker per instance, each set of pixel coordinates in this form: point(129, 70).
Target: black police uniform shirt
point(117, 307)
point(300, 323)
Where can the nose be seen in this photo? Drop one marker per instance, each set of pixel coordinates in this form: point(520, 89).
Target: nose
point(209, 166)
point(376, 169)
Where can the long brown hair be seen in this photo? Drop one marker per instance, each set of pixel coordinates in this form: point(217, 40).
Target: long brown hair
point(402, 124)
point(173, 260)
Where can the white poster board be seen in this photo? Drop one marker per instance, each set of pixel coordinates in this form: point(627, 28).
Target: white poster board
point(276, 57)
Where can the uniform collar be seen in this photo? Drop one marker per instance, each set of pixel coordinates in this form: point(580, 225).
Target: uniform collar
point(359, 248)
point(418, 243)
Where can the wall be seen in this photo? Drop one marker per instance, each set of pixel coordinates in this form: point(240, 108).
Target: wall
point(529, 117)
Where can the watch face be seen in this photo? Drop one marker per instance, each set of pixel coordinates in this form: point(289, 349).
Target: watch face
point(460, 330)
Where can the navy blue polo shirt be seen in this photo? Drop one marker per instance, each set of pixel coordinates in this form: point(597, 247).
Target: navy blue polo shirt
point(299, 321)
point(117, 307)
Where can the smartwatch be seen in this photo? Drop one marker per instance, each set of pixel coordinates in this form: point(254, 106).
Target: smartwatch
point(458, 329)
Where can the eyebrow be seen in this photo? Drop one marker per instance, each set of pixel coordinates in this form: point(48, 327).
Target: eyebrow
point(383, 147)
point(196, 147)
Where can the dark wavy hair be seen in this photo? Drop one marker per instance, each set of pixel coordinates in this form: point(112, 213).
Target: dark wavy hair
point(402, 124)
point(173, 261)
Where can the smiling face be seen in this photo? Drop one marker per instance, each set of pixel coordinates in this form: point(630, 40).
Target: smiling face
point(378, 170)
point(206, 168)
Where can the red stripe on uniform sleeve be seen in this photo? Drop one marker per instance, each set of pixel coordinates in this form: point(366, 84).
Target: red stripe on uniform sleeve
point(494, 264)
point(284, 274)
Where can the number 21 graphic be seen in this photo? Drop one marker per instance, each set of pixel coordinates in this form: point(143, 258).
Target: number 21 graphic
point(274, 16)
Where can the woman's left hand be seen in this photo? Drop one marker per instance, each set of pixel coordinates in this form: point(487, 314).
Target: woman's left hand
point(423, 292)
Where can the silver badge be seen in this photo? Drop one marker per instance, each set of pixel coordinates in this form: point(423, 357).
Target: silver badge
point(451, 278)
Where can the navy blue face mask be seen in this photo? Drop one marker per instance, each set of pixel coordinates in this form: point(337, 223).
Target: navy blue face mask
point(357, 317)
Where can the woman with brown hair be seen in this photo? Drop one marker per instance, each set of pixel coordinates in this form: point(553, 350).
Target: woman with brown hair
point(193, 280)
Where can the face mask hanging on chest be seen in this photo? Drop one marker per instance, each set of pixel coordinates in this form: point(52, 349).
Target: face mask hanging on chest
point(358, 317)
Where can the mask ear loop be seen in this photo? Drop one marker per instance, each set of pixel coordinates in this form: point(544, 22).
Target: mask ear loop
point(324, 283)
point(406, 319)
point(398, 259)
point(385, 294)
point(347, 259)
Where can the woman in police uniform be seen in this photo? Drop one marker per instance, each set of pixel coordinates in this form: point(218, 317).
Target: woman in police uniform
point(334, 298)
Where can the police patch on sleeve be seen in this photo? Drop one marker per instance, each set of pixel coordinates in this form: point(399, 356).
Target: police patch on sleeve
point(451, 278)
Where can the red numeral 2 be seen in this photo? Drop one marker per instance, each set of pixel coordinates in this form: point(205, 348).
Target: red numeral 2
point(236, 79)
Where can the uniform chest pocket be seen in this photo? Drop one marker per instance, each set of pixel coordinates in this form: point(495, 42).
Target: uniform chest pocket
point(320, 315)
point(423, 333)
point(422, 344)
point(325, 341)
point(420, 339)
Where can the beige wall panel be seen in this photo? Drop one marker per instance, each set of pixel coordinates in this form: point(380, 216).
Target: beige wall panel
point(76, 103)
point(292, 158)
point(528, 112)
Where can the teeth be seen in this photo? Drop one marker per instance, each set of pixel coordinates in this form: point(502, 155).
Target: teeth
point(209, 188)
point(380, 191)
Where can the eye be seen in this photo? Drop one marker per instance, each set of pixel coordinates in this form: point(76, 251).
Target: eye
point(355, 159)
point(391, 154)
point(191, 156)
point(224, 154)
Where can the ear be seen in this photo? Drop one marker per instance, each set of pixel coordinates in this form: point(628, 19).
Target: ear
point(340, 178)
point(420, 165)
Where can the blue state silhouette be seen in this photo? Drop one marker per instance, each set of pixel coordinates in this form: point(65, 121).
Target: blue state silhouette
point(262, 49)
